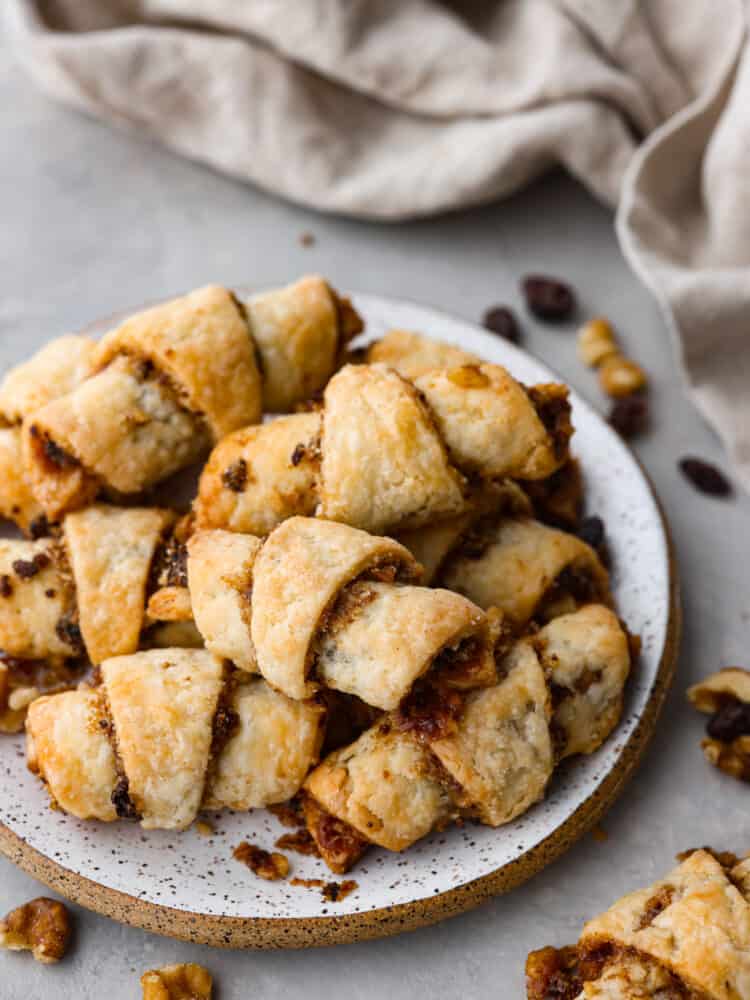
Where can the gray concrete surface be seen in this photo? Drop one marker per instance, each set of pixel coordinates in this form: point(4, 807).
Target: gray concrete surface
point(92, 220)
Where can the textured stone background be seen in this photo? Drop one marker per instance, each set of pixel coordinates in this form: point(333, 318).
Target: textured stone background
point(92, 221)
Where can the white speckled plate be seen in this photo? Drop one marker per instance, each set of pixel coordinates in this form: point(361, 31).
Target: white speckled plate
point(189, 886)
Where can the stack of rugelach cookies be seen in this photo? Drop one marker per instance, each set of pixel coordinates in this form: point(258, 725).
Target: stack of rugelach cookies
point(373, 603)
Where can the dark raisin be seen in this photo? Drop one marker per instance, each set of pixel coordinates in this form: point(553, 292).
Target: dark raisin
point(57, 455)
point(629, 416)
point(731, 720)
point(705, 477)
point(298, 454)
point(70, 632)
point(25, 569)
point(50, 592)
point(124, 806)
point(234, 477)
point(6, 587)
point(591, 531)
point(39, 527)
point(502, 321)
point(548, 298)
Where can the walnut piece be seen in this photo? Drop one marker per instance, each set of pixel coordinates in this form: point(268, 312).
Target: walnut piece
point(177, 982)
point(712, 692)
point(619, 376)
point(41, 926)
point(725, 695)
point(596, 341)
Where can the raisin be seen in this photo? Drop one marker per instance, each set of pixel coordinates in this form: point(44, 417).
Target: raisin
point(234, 477)
point(70, 632)
point(502, 321)
point(298, 454)
point(25, 569)
point(629, 416)
point(39, 527)
point(6, 587)
point(121, 800)
point(548, 298)
point(705, 477)
point(731, 721)
point(591, 531)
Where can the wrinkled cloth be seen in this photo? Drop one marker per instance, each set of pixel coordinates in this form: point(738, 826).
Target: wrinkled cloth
point(393, 109)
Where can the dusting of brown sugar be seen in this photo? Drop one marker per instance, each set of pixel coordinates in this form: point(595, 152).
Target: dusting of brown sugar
point(334, 892)
point(300, 841)
point(265, 864)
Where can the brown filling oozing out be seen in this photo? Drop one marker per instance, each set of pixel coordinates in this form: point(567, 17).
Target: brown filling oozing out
point(561, 973)
point(353, 596)
point(347, 717)
point(558, 500)
point(575, 584)
point(553, 409)
point(430, 712)
point(348, 321)
point(339, 844)
point(124, 805)
point(168, 566)
point(225, 722)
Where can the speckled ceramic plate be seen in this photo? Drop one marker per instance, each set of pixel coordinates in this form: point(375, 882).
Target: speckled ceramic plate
point(188, 886)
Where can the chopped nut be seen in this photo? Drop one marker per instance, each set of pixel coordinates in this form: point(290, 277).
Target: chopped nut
point(619, 376)
point(596, 342)
point(265, 864)
point(177, 982)
point(41, 926)
point(731, 758)
point(22, 697)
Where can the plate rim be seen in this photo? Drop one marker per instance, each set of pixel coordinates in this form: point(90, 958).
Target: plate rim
point(318, 931)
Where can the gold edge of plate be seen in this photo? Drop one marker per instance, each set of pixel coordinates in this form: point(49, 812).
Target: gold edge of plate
point(308, 932)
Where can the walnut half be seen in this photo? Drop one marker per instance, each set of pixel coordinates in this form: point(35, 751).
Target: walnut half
point(177, 982)
point(41, 926)
point(725, 695)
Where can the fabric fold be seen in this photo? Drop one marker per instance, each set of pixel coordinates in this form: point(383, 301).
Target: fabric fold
point(394, 110)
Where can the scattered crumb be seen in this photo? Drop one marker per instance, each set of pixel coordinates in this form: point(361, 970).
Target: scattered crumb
point(307, 239)
point(288, 813)
point(204, 828)
point(300, 841)
point(265, 864)
point(334, 892)
point(599, 834)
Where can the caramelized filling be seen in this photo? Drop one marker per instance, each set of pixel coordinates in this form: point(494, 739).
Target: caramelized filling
point(553, 409)
point(352, 597)
point(430, 712)
point(340, 845)
point(558, 500)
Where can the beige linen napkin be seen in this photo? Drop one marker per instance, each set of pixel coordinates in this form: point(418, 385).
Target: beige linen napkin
point(392, 109)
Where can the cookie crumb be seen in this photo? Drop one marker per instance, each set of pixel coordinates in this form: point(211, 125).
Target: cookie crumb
point(265, 864)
